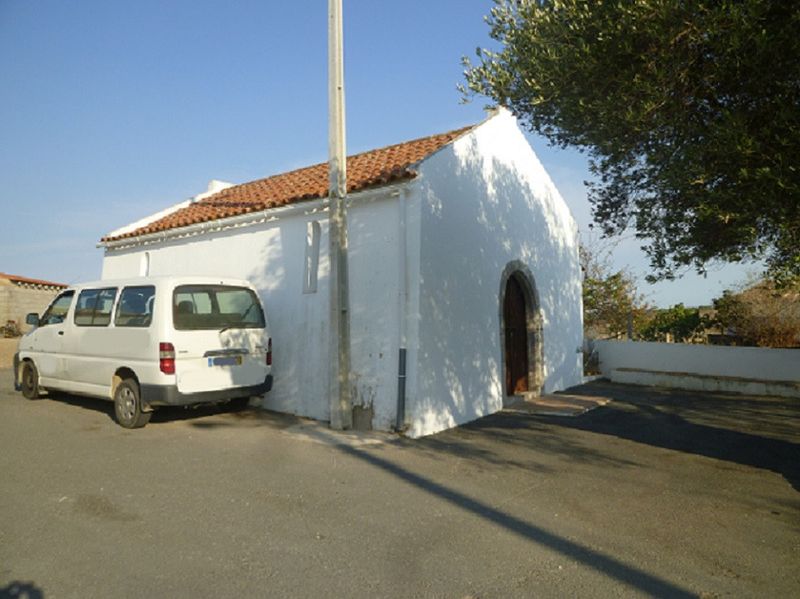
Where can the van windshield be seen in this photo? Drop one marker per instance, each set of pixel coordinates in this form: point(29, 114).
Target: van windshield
point(207, 307)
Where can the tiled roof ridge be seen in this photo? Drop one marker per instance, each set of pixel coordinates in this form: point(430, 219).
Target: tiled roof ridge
point(457, 132)
point(367, 169)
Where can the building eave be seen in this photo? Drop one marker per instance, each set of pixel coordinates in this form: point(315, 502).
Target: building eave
point(309, 207)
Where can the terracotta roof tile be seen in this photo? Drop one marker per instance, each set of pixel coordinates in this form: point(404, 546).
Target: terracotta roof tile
point(369, 169)
point(29, 281)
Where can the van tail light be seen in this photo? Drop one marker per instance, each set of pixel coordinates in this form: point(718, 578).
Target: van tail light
point(166, 358)
point(269, 352)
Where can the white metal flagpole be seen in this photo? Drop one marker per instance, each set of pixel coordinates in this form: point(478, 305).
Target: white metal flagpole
point(340, 402)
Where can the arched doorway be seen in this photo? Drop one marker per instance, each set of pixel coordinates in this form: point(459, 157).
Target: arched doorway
point(516, 342)
point(520, 332)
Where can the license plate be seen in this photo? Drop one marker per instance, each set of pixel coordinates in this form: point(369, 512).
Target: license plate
point(225, 361)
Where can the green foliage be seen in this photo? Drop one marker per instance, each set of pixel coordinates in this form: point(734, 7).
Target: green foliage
point(609, 299)
point(762, 315)
point(678, 323)
point(607, 303)
point(689, 111)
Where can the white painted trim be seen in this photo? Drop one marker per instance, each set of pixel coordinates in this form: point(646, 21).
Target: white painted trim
point(142, 222)
point(214, 187)
point(307, 207)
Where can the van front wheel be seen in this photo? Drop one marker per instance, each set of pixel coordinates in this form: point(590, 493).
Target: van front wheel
point(128, 405)
point(29, 380)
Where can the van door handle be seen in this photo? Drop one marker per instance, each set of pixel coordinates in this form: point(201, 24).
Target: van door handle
point(61, 332)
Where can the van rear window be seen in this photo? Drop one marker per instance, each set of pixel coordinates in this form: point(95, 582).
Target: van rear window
point(208, 307)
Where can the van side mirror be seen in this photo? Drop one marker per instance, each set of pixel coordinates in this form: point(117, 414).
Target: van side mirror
point(32, 319)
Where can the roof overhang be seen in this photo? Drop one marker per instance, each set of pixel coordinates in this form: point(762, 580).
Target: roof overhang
point(249, 219)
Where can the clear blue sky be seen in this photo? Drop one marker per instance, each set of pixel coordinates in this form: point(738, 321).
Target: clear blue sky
point(112, 110)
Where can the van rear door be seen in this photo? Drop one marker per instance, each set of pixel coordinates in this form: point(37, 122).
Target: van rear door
point(220, 338)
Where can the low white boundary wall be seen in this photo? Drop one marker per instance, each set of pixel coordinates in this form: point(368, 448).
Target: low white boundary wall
point(710, 367)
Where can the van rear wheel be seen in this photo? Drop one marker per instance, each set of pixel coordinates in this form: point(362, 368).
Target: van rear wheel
point(29, 380)
point(128, 405)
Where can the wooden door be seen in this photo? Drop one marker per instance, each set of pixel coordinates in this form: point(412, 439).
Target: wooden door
point(516, 338)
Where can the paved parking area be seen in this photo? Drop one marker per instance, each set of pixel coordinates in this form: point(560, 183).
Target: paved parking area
point(656, 493)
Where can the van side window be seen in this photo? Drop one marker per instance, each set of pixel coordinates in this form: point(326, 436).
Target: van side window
point(94, 307)
point(135, 307)
point(57, 311)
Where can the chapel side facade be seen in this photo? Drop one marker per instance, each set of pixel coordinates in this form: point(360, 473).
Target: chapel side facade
point(285, 256)
point(489, 212)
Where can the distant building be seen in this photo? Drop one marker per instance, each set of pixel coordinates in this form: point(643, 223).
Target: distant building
point(22, 295)
point(465, 283)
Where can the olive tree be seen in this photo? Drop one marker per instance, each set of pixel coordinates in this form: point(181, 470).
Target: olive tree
point(689, 113)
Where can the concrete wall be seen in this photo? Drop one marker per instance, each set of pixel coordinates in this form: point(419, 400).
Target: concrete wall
point(486, 201)
point(272, 255)
point(16, 301)
point(709, 367)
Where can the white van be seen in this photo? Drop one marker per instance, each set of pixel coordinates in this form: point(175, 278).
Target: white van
point(148, 342)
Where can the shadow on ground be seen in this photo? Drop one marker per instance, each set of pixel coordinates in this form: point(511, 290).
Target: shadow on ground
point(21, 590)
point(753, 431)
point(234, 414)
point(761, 432)
point(629, 575)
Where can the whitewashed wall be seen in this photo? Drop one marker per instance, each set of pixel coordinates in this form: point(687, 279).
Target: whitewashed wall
point(375, 303)
point(485, 201)
point(738, 363)
point(272, 256)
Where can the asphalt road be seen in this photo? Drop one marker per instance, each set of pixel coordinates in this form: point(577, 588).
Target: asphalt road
point(655, 494)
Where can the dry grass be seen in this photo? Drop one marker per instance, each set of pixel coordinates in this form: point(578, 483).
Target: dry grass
point(7, 349)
